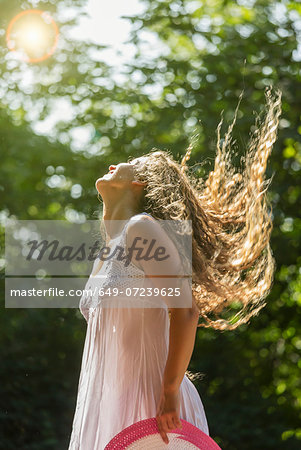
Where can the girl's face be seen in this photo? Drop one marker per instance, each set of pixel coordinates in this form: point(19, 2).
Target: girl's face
point(122, 175)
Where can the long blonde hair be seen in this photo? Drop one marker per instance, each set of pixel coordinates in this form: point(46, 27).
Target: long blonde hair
point(232, 261)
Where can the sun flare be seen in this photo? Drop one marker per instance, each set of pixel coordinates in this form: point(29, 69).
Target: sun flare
point(33, 34)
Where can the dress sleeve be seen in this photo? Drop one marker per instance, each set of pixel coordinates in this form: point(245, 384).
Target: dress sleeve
point(153, 250)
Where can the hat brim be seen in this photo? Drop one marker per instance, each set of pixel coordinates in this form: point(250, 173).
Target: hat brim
point(145, 435)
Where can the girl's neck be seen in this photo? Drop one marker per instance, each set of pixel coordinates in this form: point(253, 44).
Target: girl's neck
point(115, 215)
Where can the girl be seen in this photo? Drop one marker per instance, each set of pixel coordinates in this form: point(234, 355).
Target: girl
point(137, 349)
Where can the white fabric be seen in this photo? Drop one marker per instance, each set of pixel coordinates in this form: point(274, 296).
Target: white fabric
point(123, 361)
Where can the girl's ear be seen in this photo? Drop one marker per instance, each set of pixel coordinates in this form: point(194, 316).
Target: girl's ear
point(139, 183)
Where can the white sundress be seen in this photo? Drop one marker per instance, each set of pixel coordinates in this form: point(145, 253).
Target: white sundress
point(123, 361)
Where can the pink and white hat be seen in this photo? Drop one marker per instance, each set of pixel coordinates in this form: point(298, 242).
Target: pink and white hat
point(144, 435)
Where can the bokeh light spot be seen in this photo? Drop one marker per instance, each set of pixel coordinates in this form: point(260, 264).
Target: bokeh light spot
point(33, 34)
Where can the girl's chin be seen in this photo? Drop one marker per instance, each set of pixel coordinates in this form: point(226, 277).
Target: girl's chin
point(98, 183)
point(105, 177)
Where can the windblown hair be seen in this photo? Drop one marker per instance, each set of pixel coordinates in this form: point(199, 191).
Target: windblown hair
point(232, 262)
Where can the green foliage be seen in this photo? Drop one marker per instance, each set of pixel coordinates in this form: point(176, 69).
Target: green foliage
point(207, 53)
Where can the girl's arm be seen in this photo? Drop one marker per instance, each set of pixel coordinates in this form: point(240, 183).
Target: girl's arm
point(183, 325)
point(183, 321)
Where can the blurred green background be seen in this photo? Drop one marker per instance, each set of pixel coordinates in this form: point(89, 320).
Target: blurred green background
point(206, 53)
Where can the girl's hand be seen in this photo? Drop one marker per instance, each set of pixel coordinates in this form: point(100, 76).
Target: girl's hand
point(168, 413)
